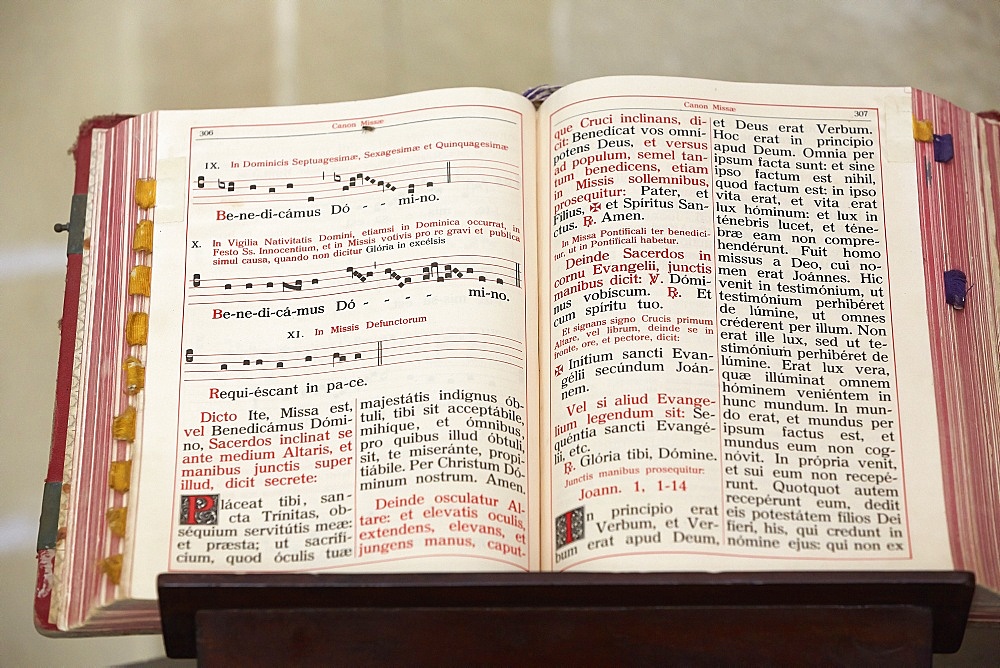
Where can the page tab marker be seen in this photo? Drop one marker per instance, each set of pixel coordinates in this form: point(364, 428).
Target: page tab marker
point(944, 148)
point(923, 130)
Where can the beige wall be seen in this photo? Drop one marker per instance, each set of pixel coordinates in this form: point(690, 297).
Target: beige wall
point(61, 62)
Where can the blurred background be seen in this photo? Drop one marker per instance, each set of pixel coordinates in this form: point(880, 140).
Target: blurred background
point(63, 62)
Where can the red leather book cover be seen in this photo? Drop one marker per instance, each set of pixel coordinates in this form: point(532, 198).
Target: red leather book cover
point(48, 524)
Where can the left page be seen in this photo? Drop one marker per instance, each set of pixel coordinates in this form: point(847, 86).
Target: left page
point(342, 341)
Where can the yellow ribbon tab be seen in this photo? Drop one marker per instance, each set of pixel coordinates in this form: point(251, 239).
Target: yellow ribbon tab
point(139, 280)
point(120, 475)
point(123, 426)
point(117, 519)
point(923, 130)
point(112, 567)
point(135, 375)
point(137, 328)
point(143, 239)
point(145, 193)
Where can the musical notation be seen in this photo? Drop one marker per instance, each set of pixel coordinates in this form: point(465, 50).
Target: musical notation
point(359, 278)
point(328, 185)
point(282, 286)
point(456, 346)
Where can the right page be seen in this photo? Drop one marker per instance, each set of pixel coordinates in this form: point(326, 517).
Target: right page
point(735, 357)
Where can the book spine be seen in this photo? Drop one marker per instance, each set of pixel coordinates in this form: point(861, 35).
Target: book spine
point(48, 530)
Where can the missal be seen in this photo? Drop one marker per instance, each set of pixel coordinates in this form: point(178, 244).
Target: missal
point(649, 324)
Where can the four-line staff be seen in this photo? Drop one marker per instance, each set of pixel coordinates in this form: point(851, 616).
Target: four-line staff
point(445, 346)
point(357, 278)
point(327, 185)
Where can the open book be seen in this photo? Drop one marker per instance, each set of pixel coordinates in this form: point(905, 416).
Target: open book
point(652, 325)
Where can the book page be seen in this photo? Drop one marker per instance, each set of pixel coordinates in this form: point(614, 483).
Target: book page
point(737, 373)
point(342, 340)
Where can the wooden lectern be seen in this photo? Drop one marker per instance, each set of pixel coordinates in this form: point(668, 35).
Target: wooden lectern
point(842, 618)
